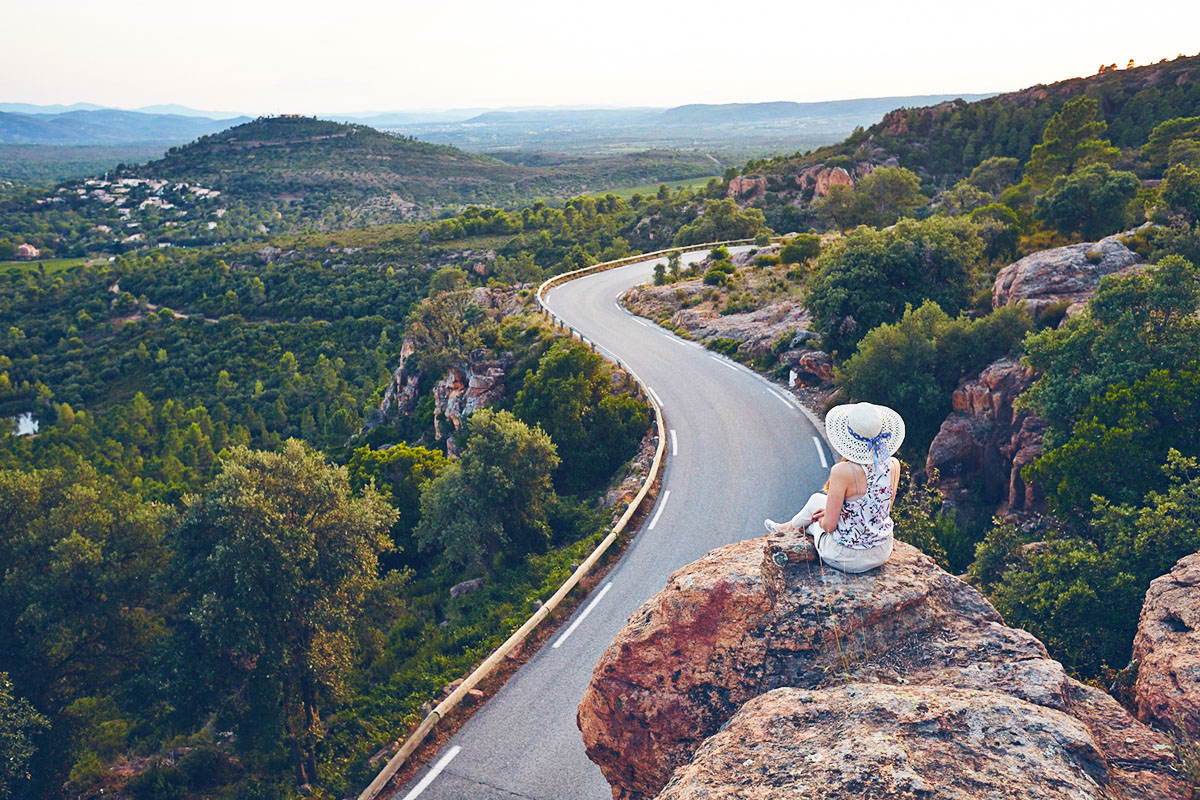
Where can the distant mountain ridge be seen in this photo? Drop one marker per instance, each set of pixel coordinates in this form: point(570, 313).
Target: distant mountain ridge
point(106, 126)
point(740, 130)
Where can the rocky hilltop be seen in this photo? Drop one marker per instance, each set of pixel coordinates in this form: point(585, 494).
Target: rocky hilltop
point(759, 673)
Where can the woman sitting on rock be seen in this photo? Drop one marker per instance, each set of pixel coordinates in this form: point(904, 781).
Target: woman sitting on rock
point(851, 521)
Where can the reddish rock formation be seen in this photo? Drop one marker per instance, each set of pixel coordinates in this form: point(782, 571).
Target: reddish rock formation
point(763, 614)
point(1063, 274)
point(985, 442)
point(746, 188)
point(478, 382)
point(826, 179)
point(402, 391)
point(1167, 650)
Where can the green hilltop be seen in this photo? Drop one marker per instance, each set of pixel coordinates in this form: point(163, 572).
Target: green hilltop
point(313, 163)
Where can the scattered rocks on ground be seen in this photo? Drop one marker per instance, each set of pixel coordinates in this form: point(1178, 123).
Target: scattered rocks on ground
point(466, 587)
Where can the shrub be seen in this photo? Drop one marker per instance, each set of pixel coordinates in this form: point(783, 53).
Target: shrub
point(1092, 201)
point(868, 277)
point(727, 347)
point(801, 248)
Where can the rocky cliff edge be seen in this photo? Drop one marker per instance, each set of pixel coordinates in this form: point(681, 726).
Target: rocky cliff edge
point(760, 673)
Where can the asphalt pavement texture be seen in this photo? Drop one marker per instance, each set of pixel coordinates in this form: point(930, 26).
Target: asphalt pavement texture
point(738, 450)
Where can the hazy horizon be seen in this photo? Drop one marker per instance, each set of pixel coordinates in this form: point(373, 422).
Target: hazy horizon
point(364, 54)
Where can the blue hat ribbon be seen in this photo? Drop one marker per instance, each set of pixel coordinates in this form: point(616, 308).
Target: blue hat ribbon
point(876, 444)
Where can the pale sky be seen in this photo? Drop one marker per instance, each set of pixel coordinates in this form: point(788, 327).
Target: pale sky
point(304, 56)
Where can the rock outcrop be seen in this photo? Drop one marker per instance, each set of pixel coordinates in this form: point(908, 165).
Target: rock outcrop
point(477, 382)
point(1062, 275)
point(746, 188)
point(903, 682)
point(827, 178)
point(1167, 650)
point(854, 741)
point(474, 382)
point(985, 442)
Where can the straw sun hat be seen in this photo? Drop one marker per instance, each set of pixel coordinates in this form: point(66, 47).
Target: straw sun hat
point(864, 432)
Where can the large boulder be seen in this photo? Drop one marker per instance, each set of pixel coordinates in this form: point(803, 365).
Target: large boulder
point(1167, 650)
point(859, 740)
point(764, 614)
point(986, 441)
point(1062, 275)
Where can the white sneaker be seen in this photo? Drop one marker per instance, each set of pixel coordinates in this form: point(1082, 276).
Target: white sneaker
point(771, 525)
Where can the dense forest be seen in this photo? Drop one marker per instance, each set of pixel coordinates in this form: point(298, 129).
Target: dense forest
point(213, 449)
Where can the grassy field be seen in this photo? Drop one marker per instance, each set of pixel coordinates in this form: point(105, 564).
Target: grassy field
point(49, 265)
point(649, 189)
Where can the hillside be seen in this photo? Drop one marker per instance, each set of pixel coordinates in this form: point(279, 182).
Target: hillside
point(943, 142)
point(310, 164)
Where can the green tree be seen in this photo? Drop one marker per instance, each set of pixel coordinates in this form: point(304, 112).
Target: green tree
point(495, 498)
point(80, 610)
point(398, 473)
point(1120, 441)
point(1181, 192)
point(994, 174)
point(19, 724)
point(886, 195)
point(1157, 149)
point(1000, 228)
point(1135, 324)
point(1070, 140)
point(448, 279)
point(800, 248)
point(570, 397)
point(274, 563)
point(916, 363)
point(722, 220)
point(1081, 593)
point(866, 278)
point(1092, 201)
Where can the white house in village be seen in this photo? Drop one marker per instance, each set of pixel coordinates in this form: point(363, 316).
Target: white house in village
point(27, 252)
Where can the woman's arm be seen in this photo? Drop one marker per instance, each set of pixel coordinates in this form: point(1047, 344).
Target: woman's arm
point(840, 478)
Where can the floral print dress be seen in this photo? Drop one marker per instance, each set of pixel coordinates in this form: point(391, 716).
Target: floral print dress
point(866, 522)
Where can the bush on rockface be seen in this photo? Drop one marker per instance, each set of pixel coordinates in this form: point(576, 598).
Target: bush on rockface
point(867, 278)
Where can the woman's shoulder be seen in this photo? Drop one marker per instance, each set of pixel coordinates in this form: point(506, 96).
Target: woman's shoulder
point(843, 469)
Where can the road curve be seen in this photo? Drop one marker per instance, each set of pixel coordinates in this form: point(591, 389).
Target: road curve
point(738, 450)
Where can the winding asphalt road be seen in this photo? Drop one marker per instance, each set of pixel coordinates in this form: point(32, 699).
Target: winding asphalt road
point(738, 450)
